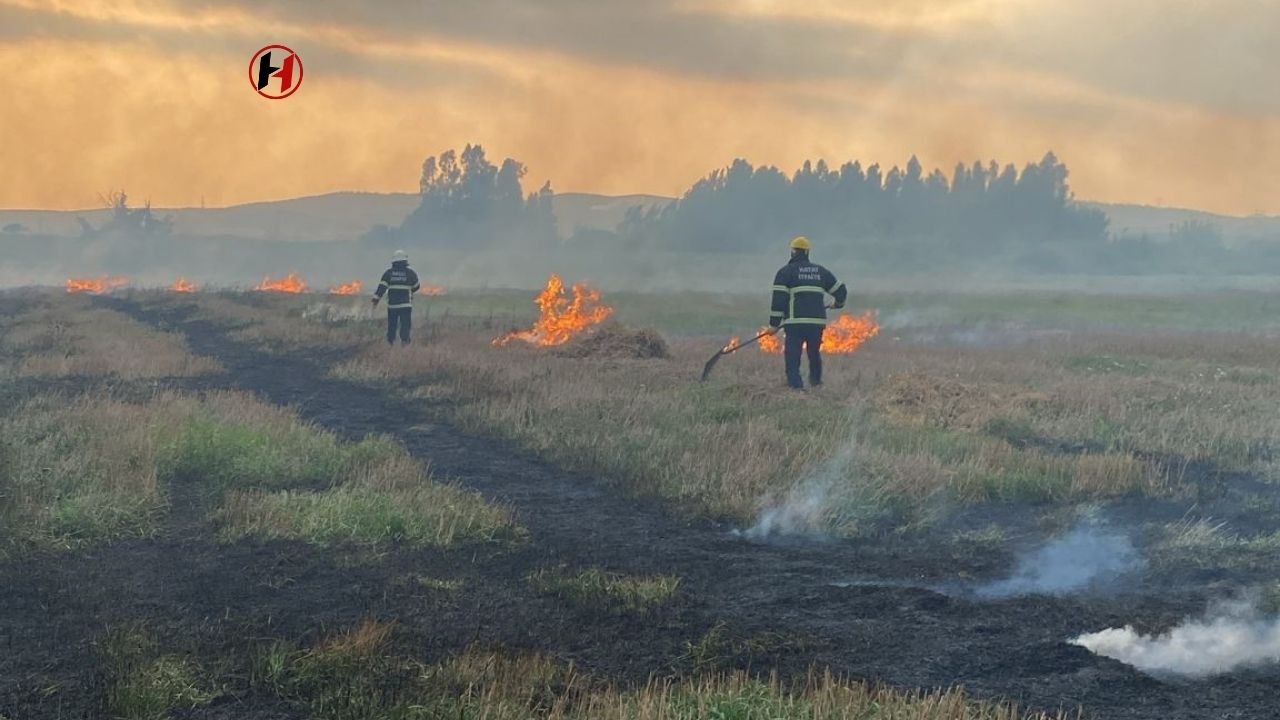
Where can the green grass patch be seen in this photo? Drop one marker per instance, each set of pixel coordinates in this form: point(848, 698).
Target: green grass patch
point(236, 442)
point(595, 590)
point(988, 539)
point(97, 468)
point(1018, 430)
point(415, 581)
point(350, 676)
point(78, 472)
point(719, 649)
point(1248, 376)
point(146, 685)
point(1207, 544)
point(428, 514)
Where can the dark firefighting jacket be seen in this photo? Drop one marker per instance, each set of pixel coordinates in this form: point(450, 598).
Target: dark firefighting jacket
point(399, 283)
point(800, 292)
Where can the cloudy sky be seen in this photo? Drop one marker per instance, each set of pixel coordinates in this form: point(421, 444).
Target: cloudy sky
point(1170, 102)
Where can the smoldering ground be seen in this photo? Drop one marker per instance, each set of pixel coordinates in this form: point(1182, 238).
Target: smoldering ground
point(1089, 556)
point(1231, 635)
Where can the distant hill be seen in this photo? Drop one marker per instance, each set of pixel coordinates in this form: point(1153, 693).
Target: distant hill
point(334, 216)
point(347, 215)
point(1156, 222)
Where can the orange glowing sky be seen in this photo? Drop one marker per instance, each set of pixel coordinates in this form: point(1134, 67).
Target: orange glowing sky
point(1150, 101)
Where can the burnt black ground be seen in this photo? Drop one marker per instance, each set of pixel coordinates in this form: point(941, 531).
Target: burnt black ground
point(212, 598)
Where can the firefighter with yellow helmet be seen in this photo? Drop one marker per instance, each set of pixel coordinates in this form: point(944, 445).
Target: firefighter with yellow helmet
point(799, 308)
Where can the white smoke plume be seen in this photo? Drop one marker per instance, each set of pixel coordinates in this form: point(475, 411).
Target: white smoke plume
point(1232, 635)
point(1085, 557)
point(807, 508)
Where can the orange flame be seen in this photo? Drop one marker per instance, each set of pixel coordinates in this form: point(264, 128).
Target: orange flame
point(290, 283)
point(352, 288)
point(432, 290)
point(96, 286)
point(844, 335)
point(847, 333)
point(732, 344)
point(183, 285)
point(560, 318)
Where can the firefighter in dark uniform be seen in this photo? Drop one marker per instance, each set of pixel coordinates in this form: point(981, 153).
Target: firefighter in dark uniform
point(399, 283)
point(800, 291)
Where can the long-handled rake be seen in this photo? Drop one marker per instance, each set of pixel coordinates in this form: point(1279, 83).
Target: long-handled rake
point(706, 369)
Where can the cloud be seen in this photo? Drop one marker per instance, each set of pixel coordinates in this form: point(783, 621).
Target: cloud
point(636, 96)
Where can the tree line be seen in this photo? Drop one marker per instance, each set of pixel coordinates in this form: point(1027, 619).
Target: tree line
point(982, 215)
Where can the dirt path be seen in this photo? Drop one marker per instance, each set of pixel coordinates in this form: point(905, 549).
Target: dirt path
point(905, 635)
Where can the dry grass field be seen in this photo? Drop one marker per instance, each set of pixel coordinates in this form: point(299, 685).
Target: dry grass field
point(61, 335)
point(118, 438)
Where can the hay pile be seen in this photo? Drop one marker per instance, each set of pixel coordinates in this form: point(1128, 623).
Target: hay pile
point(615, 340)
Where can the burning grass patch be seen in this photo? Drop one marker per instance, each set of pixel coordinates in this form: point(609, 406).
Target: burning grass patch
point(596, 590)
point(68, 336)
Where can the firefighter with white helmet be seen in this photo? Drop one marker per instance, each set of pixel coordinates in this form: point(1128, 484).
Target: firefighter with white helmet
point(399, 283)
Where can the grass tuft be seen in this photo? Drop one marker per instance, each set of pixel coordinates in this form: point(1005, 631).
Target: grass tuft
point(595, 590)
point(145, 685)
point(431, 514)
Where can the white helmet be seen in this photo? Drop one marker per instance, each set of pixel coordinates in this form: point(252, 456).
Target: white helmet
point(399, 256)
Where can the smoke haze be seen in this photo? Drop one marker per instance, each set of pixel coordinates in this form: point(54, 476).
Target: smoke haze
point(1086, 557)
point(808, 508)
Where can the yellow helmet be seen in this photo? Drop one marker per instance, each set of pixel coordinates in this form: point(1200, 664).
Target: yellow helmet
point(801, 242)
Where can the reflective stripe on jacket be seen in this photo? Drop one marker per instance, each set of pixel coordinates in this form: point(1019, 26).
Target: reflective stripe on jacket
point(399, 283)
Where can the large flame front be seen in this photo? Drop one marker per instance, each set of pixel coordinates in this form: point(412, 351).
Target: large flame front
point(559, 318)
point(290, 283)
point(96, 286)
point(843, 335)
point(183, 285)
point(352, 288)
